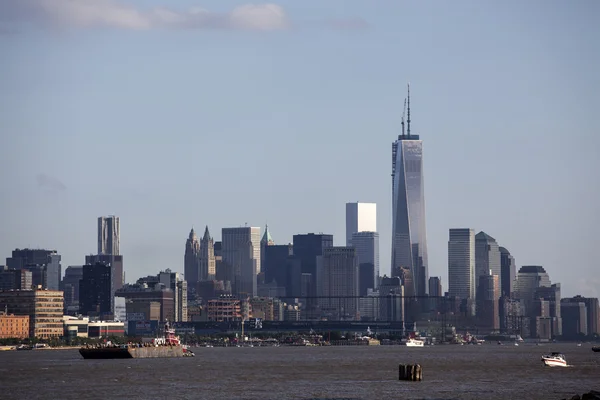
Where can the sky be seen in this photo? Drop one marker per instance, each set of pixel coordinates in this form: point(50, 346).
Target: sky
point(180, 113)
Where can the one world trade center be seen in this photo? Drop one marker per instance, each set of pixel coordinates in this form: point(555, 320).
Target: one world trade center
point(409, 239)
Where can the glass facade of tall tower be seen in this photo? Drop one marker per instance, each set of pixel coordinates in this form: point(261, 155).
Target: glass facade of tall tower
point(461, 263)
point(409, 239)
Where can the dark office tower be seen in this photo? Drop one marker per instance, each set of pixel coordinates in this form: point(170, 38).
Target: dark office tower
point(266, 241)
point(337, 283)
point(592, 312)
point(391, 299)
point(15, 279)
point(308, 247)
point(116, 264)
point(44, 265)
point(488, 296)
point(95, 293)
point(191, 259)
point(574, 319)
point(409, 239)
point(274, 261)
point(367, 251)
point(487, 257)
point(435, 291)
point(70, 287)
point(508, 272)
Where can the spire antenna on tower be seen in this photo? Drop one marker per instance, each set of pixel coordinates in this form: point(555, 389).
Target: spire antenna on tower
point(408, 119)
point(403, 114)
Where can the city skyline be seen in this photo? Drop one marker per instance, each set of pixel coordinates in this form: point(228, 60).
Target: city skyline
point(498, 104)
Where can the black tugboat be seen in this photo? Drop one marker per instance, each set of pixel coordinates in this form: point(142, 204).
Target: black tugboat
point(168, 346)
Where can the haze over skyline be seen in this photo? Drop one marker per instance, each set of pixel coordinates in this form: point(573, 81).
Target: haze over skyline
point(282, 113)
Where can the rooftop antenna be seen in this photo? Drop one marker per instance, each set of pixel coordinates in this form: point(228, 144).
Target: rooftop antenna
point(408, 119)
point(403, 114)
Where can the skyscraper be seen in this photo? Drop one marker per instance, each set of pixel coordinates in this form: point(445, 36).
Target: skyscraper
point(337, 278)
point(367, 252)
point(461, 263)
point(360, 217)
point(266, 240)
point(409, 240)
point(487, 257)
point(508, 272)
point(241, 253)
point(191, 259)
point(108, 235)
point(208, 268)
point(488, 296)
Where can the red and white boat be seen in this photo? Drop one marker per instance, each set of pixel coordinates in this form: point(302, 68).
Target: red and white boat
point(170, 339)
point(554, 360)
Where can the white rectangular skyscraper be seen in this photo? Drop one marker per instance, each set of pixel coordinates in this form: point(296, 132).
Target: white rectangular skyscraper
point(461, 263)
point(360, 217)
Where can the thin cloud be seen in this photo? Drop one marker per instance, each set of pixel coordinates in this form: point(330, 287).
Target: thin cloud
point(49, 182)
point(116, 14)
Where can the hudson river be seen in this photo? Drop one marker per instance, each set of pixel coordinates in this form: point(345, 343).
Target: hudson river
point(488, 371)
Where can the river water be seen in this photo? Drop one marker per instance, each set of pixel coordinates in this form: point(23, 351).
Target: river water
point(488, 371)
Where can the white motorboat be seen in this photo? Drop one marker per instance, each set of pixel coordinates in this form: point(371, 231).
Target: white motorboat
point(554, 360)
point(411, 342)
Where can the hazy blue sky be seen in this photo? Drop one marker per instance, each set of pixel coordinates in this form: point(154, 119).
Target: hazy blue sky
point(281, 113)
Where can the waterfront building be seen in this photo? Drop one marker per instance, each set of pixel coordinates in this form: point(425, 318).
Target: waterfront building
point(391, 299)
point(13, 326)
point(366, 244)
point(461, 263)
point(552, 296)
point(241, 253)
point(487, 257)
point(409, 239)
point(337, 283)
point(529, 279)
point(574, 319)
point(224, 309)
point(508, 272)
point(592, 312)
point(360, 217)
point(44, 308)
point(150, 290)
point(178, 286)
point(262, 307)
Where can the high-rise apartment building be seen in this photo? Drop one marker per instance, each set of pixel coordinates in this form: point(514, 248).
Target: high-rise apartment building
point(487, 257)
point(461, 263)
point(174, 282)
point(508, 272)
point(367, 252)
point(337, 283)
point(409, 239)
point(360, 217)
point(240, 249)
point(108, 235)
point(44, 308)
